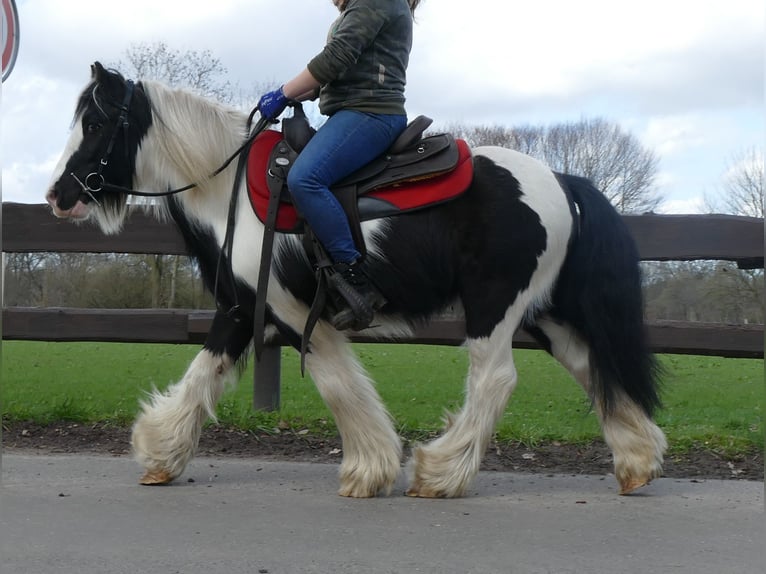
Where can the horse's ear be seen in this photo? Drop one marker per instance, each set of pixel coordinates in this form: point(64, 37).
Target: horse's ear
point(110, 81)
point(97, 71)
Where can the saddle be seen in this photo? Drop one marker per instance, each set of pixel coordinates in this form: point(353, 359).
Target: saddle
point(414, 173)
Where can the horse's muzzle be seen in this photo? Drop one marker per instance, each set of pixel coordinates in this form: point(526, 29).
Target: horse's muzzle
point(78, 211)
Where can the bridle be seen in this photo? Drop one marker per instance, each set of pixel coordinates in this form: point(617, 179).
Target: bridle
point(89, 187)
point(95, 183)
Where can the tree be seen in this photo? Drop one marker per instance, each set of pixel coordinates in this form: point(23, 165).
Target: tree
point(201, 72)
point(616, 162)
point(23, 283)
point(715, 290)
point(742, 186)
point(709, 291)
point(192, 69)
point(742, 194)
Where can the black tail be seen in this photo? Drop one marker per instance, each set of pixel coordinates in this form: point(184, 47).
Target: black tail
point(599, 294)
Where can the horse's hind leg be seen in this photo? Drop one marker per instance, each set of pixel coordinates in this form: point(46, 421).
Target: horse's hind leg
point(166, 432)
point(446, 466)
point(371, 448)
point(636, 442)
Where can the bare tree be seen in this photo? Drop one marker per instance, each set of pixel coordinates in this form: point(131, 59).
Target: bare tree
point(200, 71)
point(205, 74)
point(616, 162)
point(23, 278)
point(742, 186)
point(711, 291)
point(742, 194)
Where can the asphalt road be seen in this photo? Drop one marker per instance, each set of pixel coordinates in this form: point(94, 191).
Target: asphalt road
point(88, 515)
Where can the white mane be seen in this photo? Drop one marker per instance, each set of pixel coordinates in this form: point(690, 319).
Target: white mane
point(191, 134)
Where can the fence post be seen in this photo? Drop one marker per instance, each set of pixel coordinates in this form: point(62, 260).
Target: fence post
point(266, 379)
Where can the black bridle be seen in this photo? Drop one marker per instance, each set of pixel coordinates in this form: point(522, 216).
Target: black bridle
point(95, 183)
point(90, 187)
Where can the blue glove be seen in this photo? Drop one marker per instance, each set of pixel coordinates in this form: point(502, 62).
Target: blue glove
point(272, 104)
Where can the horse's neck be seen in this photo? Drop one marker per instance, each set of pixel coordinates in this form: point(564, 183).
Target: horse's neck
point(190, 139)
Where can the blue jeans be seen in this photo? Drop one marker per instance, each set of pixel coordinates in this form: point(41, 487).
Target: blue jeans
point(347, 141)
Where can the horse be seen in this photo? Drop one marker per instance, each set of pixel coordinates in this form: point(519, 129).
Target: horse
point(523, 248)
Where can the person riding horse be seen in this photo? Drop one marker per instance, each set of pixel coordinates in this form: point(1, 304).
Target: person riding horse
point(359, 78)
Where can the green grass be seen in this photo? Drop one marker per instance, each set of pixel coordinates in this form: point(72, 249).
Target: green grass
point(709, 401)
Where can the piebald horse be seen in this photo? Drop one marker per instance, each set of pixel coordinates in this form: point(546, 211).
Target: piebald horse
point(523, 247)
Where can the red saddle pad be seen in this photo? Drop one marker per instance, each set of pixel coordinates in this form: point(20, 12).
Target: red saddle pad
point(382, 202)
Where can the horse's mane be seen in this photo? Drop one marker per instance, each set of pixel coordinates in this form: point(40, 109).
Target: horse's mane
point(195, 134)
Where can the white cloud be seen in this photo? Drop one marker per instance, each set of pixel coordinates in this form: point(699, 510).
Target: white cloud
point(688, 76)
point(668, 135)
point(748, 161)
point(681, 206)
point(655, 55)
point(22, 180)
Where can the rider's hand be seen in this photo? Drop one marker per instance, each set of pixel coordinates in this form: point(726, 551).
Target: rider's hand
point(272, 104)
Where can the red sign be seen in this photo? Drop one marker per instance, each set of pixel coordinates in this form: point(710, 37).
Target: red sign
point(10, 36)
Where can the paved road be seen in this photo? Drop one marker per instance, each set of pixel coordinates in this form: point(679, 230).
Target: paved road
point(88, 515)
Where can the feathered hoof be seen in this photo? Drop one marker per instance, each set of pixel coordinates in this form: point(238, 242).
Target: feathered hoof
point(365, 489)
point(629, 486)
point(355, 491)
point(436, 475)
point(156, 478)
point(631, 479)
point(420, 491)
point(367, 481)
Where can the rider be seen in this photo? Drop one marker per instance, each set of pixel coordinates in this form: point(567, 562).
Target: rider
point(359, 78)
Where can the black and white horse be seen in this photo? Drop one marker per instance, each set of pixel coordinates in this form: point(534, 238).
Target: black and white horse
point(523, 247)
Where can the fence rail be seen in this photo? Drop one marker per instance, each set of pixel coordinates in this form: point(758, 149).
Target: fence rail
point(31, 228)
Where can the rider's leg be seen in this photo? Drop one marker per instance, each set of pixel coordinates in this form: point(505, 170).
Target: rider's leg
point(347, 141)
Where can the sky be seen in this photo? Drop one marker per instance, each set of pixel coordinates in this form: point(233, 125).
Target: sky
point(684, 77)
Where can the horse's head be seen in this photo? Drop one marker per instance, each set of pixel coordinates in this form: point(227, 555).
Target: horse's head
point(111, 119)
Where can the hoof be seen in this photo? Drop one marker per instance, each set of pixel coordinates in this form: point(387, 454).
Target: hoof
point(357, 492)
point(351, 489)
point(418, 490)
point(412, 493)
point(156, 478)
point(368, 480)
point(629, 486)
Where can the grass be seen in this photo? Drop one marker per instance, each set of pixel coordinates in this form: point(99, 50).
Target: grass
point(709, 401)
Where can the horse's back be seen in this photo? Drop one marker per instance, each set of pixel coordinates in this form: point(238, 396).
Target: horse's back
point(539, 185)
point(539, 195)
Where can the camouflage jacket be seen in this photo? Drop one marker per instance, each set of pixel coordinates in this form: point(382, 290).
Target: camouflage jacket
point(364, 63)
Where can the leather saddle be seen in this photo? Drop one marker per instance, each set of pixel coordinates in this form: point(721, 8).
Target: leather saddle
point(410, 160)
point(412, 157)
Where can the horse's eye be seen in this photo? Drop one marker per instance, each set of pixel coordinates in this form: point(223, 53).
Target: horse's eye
point(93, 128)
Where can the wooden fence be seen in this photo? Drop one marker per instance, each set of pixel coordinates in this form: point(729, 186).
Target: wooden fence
point(32, 228)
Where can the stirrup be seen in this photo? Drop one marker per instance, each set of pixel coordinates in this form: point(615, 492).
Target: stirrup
point(356, 307)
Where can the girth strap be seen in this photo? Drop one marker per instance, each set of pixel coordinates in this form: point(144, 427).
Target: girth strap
point(321, 262)
point(275, 179)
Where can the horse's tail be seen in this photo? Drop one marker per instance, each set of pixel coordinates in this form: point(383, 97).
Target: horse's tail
point(599, 294)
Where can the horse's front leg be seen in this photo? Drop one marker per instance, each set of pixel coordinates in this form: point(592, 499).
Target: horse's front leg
point(446, 466)
point(372, 450)
point(166, 432)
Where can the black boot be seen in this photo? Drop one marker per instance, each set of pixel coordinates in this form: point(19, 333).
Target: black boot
point(359, 298)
